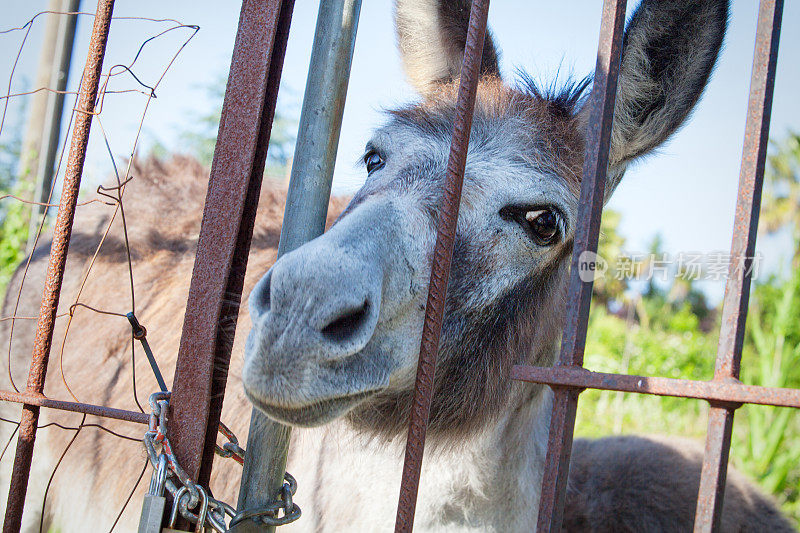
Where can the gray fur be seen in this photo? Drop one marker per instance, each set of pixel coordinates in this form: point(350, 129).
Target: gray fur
point(669, 51)
point(631, 484)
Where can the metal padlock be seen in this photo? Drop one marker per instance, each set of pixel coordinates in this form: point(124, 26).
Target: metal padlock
point(154, 501)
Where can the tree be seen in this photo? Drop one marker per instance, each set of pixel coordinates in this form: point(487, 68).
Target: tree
point(14, 215)
point(202, 139)
point(611, 286)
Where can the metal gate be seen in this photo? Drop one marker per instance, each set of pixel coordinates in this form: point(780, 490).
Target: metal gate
point(568, 378)
point(226, 232)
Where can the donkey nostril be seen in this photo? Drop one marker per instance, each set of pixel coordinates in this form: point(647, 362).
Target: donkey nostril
point(347, 323)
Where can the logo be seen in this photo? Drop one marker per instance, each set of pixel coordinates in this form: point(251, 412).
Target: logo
point(591, 266)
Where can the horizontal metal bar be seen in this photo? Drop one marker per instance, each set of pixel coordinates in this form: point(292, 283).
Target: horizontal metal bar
point(721, 391)
point(89, 409)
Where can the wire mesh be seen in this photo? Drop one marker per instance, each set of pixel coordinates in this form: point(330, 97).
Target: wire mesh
point(105, 257)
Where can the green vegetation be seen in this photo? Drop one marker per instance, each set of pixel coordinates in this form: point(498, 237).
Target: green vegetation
point(766, 440)
point(14, 217)
point(670, 331)
point(13, 214)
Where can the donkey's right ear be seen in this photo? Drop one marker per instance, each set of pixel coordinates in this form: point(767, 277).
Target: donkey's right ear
point(431, 35)
point(668, 52)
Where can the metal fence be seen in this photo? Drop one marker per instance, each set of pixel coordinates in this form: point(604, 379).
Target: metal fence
point(94, 88)
point(226, 232)
point(568, 378)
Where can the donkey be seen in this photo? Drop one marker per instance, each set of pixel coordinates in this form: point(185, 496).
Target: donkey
point(335, 325)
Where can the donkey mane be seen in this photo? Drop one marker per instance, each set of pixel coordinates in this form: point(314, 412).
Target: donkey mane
point(545, 115)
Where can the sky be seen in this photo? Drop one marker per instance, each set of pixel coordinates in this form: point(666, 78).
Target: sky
point(686, 192)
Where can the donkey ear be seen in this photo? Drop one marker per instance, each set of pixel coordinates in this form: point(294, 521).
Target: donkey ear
point(431, 35)
point(669, 50)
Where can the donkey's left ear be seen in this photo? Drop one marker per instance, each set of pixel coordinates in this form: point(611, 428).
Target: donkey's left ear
point(669, 50)
point(431, 35)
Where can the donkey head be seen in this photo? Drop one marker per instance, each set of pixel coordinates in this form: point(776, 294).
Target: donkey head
point(337, 323)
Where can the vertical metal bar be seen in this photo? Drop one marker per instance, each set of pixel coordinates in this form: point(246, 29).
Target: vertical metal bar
point(59, 76)
point(226, 231)
point(55, 268)
point(598, 139)
point(715, 469)
point(440, 270)
point(320, 123)
point(737, 288)
point(304, 217)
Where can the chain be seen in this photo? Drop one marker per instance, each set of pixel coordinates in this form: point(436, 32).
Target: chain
point(193, 501)
point(230, 448)
point(269, 515)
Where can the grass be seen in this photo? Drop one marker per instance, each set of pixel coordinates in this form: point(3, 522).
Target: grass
point(766, 440)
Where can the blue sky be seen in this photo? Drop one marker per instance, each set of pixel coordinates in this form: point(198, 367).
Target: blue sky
point(686, 192)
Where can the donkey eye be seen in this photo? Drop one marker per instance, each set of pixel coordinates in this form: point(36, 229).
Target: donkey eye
point(543, 224)
point(373, 161)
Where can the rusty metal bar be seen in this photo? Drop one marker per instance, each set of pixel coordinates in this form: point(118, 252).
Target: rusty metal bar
point(304, 219)
point(751, 177)
point(598, 138)
point(729, 391)
point(737, 288)
point(715, 469)
point(89, 409)
point(226, 232)
point(55, 268)
point(440, 270)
